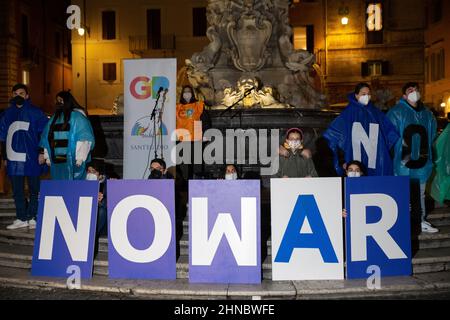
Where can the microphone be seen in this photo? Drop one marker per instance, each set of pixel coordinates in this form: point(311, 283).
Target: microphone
point(160, 89)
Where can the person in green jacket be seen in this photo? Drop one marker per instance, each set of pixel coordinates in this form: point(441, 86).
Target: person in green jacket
point(295, 165)
point(440, 186)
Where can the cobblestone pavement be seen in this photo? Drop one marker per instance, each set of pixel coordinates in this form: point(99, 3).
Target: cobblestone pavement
point(9, 293)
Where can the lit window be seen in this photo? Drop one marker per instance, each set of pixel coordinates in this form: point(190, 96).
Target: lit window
point(300, 42)
point(26, 77)
point(375, 68)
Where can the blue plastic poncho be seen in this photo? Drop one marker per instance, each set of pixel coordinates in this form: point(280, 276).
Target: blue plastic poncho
point(65, 152)
point(365, 134)
point(20, 129)
point(440, 187)
point(413, 152)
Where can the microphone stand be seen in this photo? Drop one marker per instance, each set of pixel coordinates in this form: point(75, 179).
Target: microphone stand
point(246, 93)
point(152, 117)
point(161, 111)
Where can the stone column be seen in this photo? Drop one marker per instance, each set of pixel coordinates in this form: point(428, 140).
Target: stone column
point(9, 50)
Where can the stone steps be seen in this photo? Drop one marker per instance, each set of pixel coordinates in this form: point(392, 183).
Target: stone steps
point(20, 256)
point(424, 285)
point(431, 269)
point(433, 254)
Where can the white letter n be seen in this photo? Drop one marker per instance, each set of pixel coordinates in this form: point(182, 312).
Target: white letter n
point(370, 143)
point(77, 239)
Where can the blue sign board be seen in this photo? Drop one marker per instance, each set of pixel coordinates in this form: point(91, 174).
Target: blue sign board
point(65, 230)
point(378, 229)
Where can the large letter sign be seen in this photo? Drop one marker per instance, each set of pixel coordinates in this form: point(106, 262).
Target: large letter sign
point(66, 224)
point(224, 232)
point(141, 227)
point(416, 135)
point(370, 143)
point(306, 229)
point(13, 128)
point(378, 225)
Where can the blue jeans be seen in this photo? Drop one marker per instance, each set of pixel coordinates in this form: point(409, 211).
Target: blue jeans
point(102, 216)
point(25, 210)
point(422, 202)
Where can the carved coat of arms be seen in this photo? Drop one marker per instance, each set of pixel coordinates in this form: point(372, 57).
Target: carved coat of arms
point(249, 39)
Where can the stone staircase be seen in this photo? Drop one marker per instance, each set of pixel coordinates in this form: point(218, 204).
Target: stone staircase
point(16, 248)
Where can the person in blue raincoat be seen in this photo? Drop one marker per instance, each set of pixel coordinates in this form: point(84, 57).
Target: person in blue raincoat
point(413, 152)
point(68, 140)
point(363, 133)
point(21, 126)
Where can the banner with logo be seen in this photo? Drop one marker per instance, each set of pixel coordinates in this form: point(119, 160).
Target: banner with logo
point(141, 228)
point(224, 231)
point(307, 231)
point(65, 231)
point(378, 232)
point(149, 114)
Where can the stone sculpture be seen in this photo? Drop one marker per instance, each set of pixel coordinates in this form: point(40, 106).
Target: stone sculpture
point(250, 40)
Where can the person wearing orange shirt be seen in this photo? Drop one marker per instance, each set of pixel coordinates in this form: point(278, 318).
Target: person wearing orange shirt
point(189, 128)
point(189, 110)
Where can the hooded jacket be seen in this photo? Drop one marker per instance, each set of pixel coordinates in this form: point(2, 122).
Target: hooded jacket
point(361, 131)
point(20, 130)
point(413, 152)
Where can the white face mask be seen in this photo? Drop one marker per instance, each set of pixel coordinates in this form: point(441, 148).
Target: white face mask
point(364, 100)
point(231, 176)
point(187, 96)
point(414, 96)
point(294, 144)
point(91, 177)
point(353, 174)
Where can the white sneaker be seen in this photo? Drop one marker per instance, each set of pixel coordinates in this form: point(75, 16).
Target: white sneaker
point(32, 224)
point(17, 224)
point(428, 228)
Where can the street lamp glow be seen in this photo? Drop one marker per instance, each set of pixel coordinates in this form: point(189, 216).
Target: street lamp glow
point(443, 105)
point(344, 21)
point(81, 31)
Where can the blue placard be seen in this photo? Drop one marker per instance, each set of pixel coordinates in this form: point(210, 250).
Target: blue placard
point(378, 226)
point(65, 231)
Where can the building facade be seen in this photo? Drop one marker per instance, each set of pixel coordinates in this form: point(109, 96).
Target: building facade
point(437, 55)
point(379, 41)
point(34, 49)
point(119, 30)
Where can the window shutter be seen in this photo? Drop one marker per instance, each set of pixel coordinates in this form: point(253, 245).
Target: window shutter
point(385, 68)
point(364, 69)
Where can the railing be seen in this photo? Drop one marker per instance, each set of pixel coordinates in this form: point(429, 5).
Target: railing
point(140, 44)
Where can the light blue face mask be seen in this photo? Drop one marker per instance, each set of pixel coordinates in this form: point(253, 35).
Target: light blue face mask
point(414, 96)
point(353, 174)
point(231, 176)
point(364, 100)
point(91, 177)
point(187, 96)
